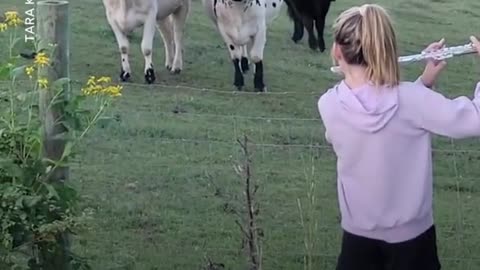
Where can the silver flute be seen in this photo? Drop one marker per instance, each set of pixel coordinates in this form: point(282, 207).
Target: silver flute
point(440, 54)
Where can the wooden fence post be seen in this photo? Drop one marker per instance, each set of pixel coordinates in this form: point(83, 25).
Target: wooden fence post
point(53, 27)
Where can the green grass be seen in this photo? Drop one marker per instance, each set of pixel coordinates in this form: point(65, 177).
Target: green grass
point(152, 176)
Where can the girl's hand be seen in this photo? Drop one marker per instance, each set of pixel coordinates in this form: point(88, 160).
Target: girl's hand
point(475, 43)
point(434, 67)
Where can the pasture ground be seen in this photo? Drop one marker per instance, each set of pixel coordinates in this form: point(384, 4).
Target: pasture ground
point(152, 177)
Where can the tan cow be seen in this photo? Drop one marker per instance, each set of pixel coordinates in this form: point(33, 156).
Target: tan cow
point(169, 16)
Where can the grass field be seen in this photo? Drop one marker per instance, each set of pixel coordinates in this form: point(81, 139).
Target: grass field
point(153, 177)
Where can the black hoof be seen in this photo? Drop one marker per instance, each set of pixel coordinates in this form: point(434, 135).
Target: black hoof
point(313, 44)
point(296, 38)
point(244, 65)
point(169, 68)
point(260, 86)
point(150, 76)
point(176, 71)
point(239, 84)
point(321, 46)
point(124, 76)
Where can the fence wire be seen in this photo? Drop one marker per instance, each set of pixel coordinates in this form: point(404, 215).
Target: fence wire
point(204, 157)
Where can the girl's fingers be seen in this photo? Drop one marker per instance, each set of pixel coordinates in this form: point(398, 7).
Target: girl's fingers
point(476, 43)
point(436, 45)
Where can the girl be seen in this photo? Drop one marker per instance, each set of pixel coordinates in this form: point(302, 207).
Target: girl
point(380, 129)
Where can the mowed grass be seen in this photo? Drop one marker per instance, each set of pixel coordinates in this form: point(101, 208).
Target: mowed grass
point(155, 177)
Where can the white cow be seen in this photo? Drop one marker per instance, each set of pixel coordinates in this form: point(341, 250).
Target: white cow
point(243, 27)
point(169, 16)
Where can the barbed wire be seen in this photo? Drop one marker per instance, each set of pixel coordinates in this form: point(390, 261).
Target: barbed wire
point(198, 89)
point(232, 116)
point(203, 249)
point(166, 140)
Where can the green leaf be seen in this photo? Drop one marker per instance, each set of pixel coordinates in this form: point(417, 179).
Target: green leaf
point(10, 168)
point(68, 195)
point(60, 136)
point(17, 71)
point(31, 201)
point(67, 151)
point(22, 97)
point(51, 162)
point(52, 193)
point(61, 82)
point(15, 41)
point(4, 73)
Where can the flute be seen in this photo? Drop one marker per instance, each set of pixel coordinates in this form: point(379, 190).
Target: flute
point(440, 54)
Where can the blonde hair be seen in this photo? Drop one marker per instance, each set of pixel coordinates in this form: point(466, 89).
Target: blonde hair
point(366, 37)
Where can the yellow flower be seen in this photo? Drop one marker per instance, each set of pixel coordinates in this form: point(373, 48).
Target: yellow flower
point(91, 81)
point(43, 83)
point(113, 91)
point(104, 80)
point(3, 27)
point(11, 15)
point(15, 22)
point(41, 59)
point(99, 87)
point(29, 71)
point(12, 18)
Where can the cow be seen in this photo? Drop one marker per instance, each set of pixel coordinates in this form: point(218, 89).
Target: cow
point(169, 16)
point(309, 14)
point(243, 27)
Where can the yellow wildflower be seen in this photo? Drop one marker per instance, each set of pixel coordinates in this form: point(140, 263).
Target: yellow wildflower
point(12, 18)
point(41, 59)
point(91, 81)
point(113, 91)
point(29, 71)
point(15, 22)
point(104, 80)
point(3, 27)
point(9, 15)
point(99, 87)
point(43, 83)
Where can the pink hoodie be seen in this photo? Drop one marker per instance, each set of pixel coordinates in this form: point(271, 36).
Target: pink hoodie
point(382, 140)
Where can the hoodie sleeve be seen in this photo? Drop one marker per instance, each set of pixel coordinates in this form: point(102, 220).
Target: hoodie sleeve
point(455, 118)
point(322, 109)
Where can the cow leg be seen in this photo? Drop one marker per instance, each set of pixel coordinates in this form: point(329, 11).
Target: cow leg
point(312, 40)
point(297, 23)
point(297, 30)
point(165, 27)
point(256, 55)
point(320, 25)
point(123, 46)
point(179, 21)
point(235, 55)
point(147, 47)
point(321, 9)
point(244, 61)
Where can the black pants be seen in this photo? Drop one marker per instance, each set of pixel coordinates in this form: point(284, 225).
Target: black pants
point(359, 253)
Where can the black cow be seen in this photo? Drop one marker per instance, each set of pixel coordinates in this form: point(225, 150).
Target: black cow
point(309, 14)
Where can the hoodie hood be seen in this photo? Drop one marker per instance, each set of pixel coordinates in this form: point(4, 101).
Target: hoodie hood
point(367, 107)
